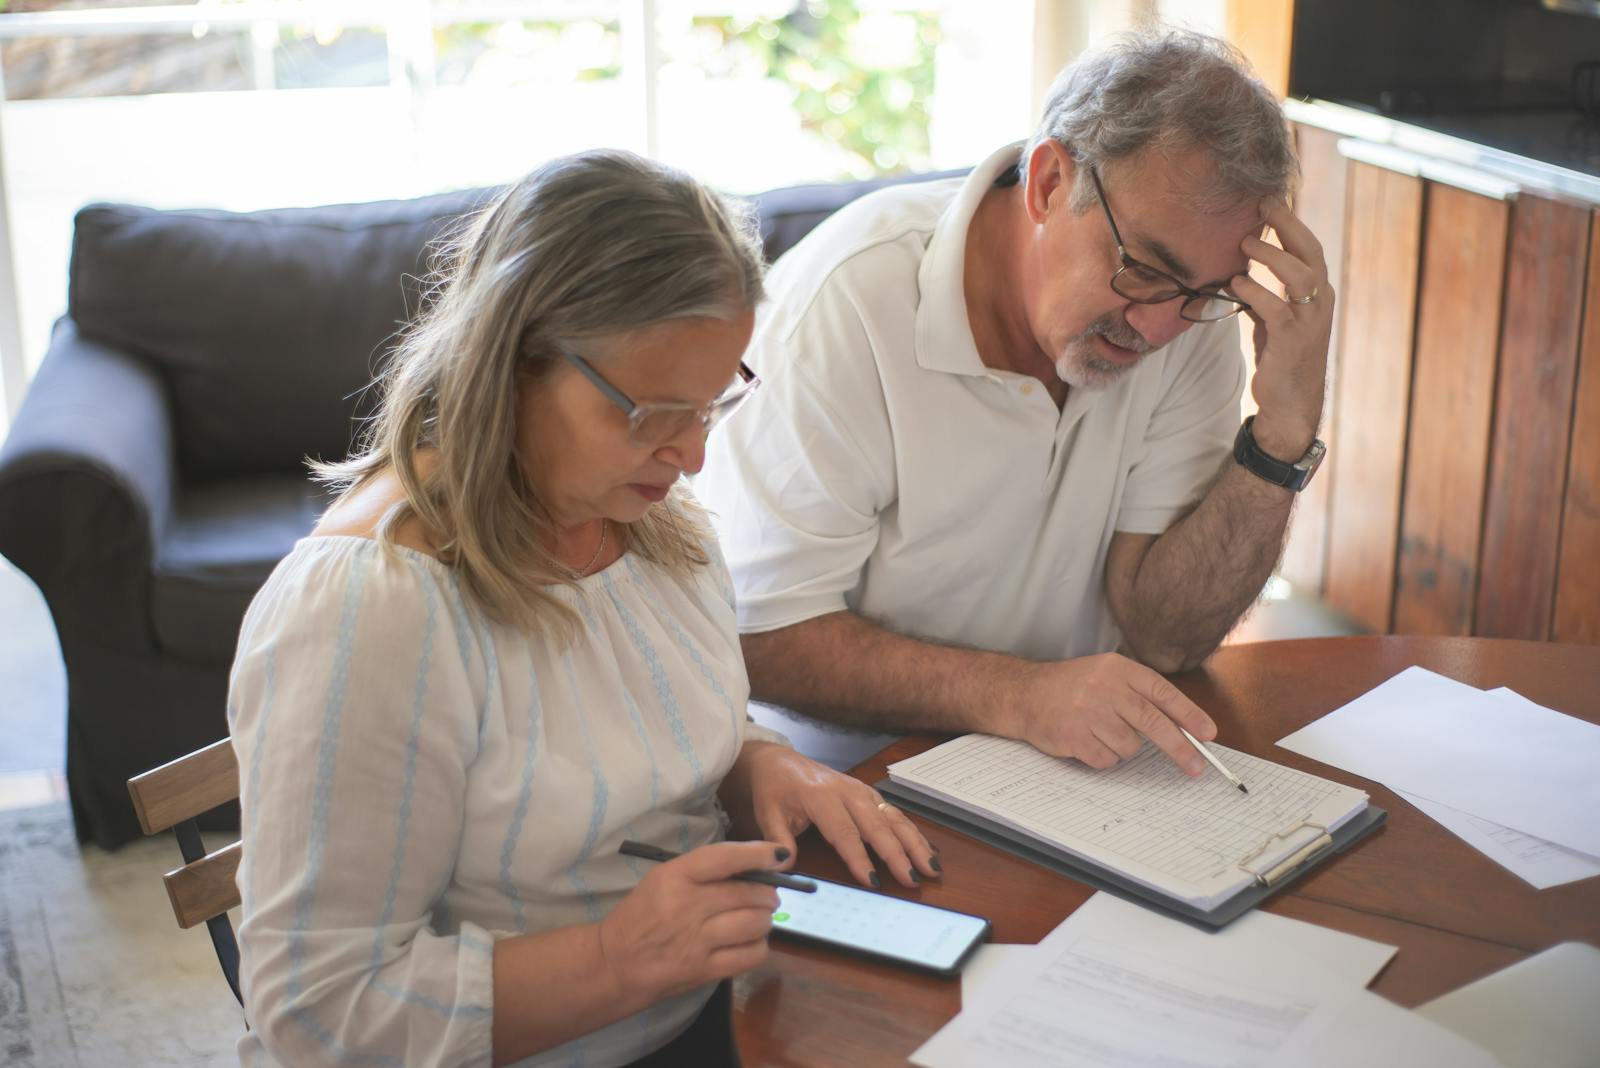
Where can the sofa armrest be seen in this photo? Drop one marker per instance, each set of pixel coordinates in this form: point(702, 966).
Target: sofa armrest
point(87, 479)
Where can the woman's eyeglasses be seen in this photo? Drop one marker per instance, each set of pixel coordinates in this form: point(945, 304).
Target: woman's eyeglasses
point(653, 425)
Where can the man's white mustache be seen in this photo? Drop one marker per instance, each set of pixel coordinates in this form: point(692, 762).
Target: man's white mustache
point(1123, 336)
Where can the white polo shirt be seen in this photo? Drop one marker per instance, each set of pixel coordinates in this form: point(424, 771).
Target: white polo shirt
point(883, 468)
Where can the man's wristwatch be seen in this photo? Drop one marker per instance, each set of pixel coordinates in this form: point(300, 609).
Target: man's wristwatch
point(1291, 476)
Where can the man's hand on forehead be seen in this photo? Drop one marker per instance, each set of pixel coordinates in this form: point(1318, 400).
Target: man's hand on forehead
point(1292, 330)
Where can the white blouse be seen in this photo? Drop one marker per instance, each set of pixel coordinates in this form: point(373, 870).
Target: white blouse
point(418, 781)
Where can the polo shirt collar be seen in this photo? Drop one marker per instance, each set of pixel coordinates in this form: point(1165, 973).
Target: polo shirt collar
point(944, 333)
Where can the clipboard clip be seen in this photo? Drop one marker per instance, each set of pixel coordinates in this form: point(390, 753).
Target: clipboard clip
point(1276, 873)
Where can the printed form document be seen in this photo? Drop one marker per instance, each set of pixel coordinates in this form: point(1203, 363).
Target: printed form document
point(1119, 986)
point(1341, 958)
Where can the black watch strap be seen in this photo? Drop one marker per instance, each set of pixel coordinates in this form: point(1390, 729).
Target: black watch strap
point(1291, 476)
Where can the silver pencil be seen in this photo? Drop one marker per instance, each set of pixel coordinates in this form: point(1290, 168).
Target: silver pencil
point(1211, 758)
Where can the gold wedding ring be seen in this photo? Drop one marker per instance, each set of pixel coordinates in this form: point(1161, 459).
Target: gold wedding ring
point(1307, 299)
point(885, 808)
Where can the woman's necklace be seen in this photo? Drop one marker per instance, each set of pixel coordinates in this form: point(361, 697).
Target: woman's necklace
point(598, 549)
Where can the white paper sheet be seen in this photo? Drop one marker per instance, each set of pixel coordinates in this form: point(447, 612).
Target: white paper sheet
point(981, 974)
point(1343, 958)
point(1538, 1013)
point(1118, 985)
point(1533, 860)
point(1373, 1032)
point(1494, 755)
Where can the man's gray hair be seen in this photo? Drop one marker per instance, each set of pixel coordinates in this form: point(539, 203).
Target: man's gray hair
point(1171, 90)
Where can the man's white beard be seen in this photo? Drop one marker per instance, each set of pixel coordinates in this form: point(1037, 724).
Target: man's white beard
point(1078, 365)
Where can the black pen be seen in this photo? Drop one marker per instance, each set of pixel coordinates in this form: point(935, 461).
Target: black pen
point(645, 851)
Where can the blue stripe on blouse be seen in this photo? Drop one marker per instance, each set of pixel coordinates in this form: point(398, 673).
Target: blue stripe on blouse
point(658, 677)
point(258, 736)
point(524, 793)
point(688, 645)
point(491, 663)
point(419, 696)
point(461, 615)
point(408, 782)
point(327, 755)
point(644, 744)
point(597, 804)
point(322, 794)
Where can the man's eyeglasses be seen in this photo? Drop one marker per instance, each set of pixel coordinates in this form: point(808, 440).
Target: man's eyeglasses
point(1143, 284)
point(653, 425)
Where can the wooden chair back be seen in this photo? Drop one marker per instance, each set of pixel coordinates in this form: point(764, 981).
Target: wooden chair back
point(203, 889)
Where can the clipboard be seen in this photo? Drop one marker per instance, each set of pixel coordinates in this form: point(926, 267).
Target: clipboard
point(1268, 881)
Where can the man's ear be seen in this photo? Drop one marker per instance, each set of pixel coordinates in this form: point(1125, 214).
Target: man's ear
point(1051, 172)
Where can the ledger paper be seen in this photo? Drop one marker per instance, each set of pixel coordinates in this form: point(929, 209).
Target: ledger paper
point(1199, 840)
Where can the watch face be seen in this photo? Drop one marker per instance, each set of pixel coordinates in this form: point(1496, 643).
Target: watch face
point(1313, 458)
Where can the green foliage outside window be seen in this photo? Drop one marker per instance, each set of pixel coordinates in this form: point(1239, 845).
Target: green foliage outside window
point(862, 82)
point(590, 50)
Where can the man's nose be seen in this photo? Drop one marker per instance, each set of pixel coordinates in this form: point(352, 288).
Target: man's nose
point(1158, 324)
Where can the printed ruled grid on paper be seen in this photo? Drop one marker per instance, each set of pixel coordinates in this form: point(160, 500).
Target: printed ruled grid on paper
point(1143, 818)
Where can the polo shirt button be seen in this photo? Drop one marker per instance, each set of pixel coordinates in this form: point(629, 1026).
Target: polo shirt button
point(1027, 389)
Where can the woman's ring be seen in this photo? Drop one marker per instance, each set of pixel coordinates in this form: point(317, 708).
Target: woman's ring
point(1307, 299)
point(885, 808)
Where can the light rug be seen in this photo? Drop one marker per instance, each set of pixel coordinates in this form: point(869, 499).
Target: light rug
point(93, 968)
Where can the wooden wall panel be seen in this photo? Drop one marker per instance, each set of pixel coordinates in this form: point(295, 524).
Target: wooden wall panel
point(1452, 407)
point(1578, 571)
point(1322, 206)
point(1372, 390)
point(1262, 30)
point(1533, 418)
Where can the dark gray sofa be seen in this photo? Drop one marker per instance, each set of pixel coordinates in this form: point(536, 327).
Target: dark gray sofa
point(155, 473)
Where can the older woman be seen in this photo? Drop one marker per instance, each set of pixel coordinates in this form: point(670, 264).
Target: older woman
point(509, 646)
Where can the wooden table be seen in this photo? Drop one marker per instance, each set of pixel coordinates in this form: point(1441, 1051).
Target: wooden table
point(1455, 915)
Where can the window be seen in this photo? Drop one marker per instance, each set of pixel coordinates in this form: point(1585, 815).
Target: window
point(247, 104)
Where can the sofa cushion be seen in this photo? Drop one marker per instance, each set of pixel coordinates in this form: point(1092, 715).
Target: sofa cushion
point(224, 540)
point(792, 212)
point(266, 325)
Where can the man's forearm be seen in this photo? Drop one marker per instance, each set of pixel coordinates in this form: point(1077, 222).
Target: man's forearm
point(848, 670)
point(1199, 577)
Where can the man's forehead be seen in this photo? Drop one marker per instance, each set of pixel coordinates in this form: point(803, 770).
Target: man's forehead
point(1165, 206)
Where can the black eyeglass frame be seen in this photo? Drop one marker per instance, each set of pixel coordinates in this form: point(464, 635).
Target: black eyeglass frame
point(1178, 288)
point(710, 414)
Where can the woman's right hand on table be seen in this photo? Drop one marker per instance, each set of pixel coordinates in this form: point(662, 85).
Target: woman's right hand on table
point(689, 922)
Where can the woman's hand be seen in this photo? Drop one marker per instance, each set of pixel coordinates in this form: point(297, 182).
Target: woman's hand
point(689, 922)
point(783, 793)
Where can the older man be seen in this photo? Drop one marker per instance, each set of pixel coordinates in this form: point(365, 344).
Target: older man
point(1001, 434)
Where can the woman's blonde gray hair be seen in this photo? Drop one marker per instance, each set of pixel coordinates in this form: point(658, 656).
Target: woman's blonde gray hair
point(1171, 90)
point(587, 246)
